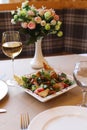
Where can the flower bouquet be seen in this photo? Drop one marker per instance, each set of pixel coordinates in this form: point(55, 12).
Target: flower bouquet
point(37, 22)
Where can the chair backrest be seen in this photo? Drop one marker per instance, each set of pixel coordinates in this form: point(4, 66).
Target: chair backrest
point(50, 45)
point(74, 39)
point(75, 30)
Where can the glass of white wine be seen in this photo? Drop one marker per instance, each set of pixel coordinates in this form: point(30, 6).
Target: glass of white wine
point(11, 47)
point(80, 76)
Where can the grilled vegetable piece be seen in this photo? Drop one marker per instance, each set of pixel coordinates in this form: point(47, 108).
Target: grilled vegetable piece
point(44, 93)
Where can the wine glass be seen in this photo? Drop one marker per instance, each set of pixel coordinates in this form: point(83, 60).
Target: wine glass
point(11, 47)
point(80, 76)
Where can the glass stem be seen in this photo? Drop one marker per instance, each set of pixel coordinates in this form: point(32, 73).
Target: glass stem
point(13, 67)
point(84, 98)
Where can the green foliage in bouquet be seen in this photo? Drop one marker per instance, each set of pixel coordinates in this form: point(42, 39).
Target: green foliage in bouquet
point(37, 22)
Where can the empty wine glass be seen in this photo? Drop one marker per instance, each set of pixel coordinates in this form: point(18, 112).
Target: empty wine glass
point(11, 47)
point(80, 76)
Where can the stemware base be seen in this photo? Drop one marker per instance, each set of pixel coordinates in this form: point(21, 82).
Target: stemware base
point(82, 105)
point(11, 82)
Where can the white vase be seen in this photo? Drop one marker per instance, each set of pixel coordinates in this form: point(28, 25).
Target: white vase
point(37, 61)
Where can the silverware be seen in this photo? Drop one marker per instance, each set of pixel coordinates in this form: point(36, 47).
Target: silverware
point(3, 110)
point(24, 121)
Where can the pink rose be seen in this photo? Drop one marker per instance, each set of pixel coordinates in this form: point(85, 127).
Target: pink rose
point(41, 12)
point(53, 22)
point(31, 25)
point(24, 25)
point(43, 23)
point(31, 13)
point(37, 19)
point(56, 17)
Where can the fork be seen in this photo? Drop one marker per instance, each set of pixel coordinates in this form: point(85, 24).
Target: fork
point(24, 121)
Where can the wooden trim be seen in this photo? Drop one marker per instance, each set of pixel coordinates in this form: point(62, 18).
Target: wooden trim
point(60, 4)
point(79, 4)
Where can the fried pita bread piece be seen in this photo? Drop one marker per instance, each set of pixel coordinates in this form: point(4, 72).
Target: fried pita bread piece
point(47, 67)
point(52, 71)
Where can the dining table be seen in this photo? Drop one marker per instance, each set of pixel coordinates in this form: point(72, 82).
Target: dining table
point(17, 101)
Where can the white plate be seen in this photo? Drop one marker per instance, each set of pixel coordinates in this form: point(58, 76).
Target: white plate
point(45, 99)
point(3, 89)
point(61, 118)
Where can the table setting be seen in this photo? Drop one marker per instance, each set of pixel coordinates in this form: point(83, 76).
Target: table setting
point(45, 97)
point(16, 99)
point(27, 103)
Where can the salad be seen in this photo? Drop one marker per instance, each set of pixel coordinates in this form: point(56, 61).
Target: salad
point(46, 81)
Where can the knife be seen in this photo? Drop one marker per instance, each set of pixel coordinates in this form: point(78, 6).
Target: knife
point(3, 110)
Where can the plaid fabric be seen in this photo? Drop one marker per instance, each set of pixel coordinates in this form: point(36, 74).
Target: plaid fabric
point(75, 30)
point(73, 41)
